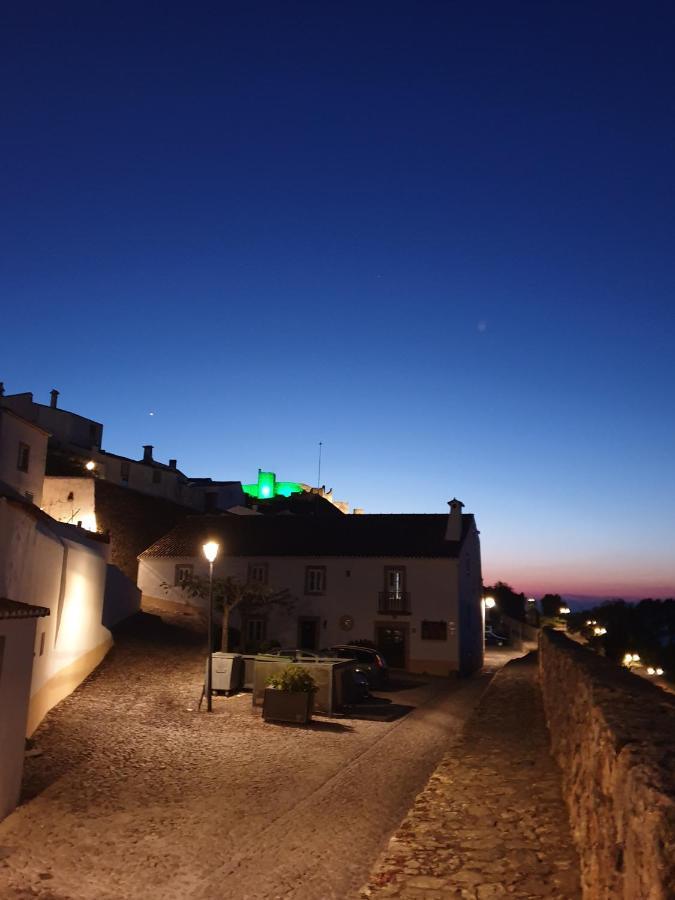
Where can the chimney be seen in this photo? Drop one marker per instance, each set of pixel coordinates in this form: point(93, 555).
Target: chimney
point(453, 531)
point(173, 463)
point(147, 453)
point(54, 394)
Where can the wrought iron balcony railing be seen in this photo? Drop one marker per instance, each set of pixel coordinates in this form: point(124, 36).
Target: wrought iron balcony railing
point(395, 603)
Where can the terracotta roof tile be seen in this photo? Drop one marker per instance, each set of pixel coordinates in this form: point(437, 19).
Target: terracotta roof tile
point(12, 609)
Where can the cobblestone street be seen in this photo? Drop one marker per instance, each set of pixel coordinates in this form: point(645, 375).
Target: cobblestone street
point(136, 795)
point(491, 822)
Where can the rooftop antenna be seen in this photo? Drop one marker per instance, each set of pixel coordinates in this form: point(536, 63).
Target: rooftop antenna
point(318, 482)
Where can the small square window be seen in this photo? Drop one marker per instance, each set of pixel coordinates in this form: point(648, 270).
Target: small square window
point(258, 572)
point(434, 631)
point(23, 460)
point(315, 580)
point(183, 575)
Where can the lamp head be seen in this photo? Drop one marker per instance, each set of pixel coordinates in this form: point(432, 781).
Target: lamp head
point(210, 550)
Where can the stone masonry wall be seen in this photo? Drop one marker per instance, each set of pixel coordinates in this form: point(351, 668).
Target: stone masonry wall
point(613, 735)
point(134, 521)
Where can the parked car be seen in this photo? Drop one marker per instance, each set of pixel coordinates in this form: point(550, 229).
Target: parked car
point(492, 639)
point(370, 662)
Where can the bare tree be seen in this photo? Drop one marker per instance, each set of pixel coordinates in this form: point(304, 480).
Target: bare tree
point(229, 593)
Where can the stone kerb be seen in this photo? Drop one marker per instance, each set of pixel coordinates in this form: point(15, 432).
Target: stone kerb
point(613, 735)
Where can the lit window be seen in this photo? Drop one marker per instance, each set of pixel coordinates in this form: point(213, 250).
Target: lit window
point(315, 580)
point(23, 458)
point(258, 572)
point(183, 575)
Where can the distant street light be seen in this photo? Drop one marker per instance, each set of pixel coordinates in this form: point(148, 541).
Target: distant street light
point(489, 602)
point(564, 610)
point(531, 600)
point(210, 552)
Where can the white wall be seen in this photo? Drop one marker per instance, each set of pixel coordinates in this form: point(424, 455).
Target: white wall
point(57, 566)
point(352, 588)
point(14, 431)
point(70, 500)
point(17, 637)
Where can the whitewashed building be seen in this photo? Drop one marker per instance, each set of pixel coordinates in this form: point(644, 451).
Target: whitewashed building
point(23, 452)
point(409, 583)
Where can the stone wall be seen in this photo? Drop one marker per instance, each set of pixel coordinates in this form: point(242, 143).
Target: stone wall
point(613, 735)
point(135, 521)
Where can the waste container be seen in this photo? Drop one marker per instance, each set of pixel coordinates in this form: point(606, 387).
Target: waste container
point(248, 659)
point(332, 676)
point(226, 672)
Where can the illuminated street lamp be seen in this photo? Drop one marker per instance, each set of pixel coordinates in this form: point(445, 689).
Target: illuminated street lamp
point(565, 610)
point(531, 600)
point(490, 602)
point(210, 552)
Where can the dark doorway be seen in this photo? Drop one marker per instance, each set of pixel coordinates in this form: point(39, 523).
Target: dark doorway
point(391, 644)
point(308, 634)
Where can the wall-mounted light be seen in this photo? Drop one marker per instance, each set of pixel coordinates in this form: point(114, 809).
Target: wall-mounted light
point(90, 466)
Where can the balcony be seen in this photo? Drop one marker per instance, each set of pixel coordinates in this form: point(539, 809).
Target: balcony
point(394, 603)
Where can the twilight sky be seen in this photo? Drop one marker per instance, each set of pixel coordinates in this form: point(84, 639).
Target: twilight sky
point(436, 236)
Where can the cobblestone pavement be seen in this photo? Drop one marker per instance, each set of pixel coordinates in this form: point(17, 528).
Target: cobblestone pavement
point(137, 795)
point(491, 822)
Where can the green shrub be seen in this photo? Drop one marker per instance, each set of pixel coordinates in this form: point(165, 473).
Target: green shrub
point(293, 678)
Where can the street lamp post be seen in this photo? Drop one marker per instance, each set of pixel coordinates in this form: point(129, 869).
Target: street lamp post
point(210, 552)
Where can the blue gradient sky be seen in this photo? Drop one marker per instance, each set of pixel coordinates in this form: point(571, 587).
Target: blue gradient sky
point(437, 237)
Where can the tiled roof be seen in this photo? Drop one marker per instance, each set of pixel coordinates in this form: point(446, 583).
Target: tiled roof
point(286, 535)
point(12, 609)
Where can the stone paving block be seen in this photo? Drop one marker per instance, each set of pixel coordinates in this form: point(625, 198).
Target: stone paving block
point(491, 822)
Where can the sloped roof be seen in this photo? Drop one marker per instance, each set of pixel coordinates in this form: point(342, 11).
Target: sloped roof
point(287, 535)
point(12, 609)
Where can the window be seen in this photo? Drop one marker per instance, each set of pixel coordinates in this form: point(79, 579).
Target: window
point(156, 476)
point(394, 599)
point(394, 582)
point(258, 572)
point(434, 631)
point(183, 575)
point(23, 458)
point(124, 470)
point(315, 580)
point(255, 631)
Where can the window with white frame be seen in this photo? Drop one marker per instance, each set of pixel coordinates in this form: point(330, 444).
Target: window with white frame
point(257, 572)
point(315, 580)
point(183, 575)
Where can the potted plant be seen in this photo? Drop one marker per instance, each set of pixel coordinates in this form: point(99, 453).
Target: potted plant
point(289, 695)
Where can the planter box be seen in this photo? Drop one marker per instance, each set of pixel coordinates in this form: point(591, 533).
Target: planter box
point(287, 706)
